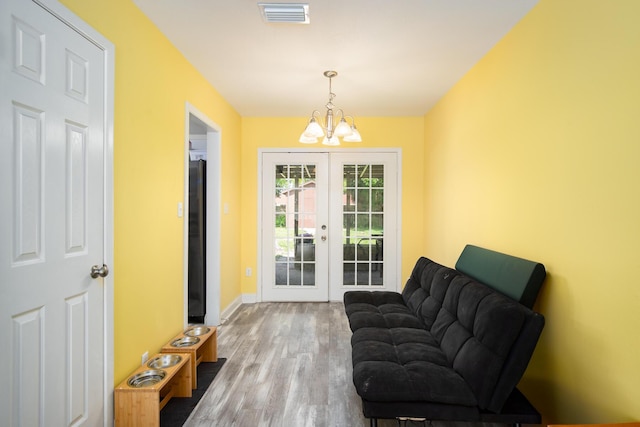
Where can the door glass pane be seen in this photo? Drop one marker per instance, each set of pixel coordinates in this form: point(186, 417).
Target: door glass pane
point(295, 225)
point(363, 227)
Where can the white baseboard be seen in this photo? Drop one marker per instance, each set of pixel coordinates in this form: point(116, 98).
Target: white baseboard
point(230, 309)
point(235, 304)
point(249, 298)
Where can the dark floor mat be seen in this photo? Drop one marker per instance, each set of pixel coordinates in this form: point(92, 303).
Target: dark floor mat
point(176, 412)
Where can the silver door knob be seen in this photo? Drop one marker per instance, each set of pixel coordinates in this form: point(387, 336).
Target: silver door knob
point(97, 271)
point(324, 238)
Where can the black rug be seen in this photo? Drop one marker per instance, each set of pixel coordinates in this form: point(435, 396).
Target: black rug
point(176, 412)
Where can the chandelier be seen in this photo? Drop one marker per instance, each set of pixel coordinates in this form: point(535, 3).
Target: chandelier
point(317, 126)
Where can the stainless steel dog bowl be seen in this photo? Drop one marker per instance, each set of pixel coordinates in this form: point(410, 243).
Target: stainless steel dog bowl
point(164, 361)
point(185, 342)
point(146, 378)
point(196, 331)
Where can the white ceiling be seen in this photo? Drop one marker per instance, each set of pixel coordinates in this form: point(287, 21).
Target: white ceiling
point(393, 58)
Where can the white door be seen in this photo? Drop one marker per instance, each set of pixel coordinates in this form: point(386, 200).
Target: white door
point(52, 221)
point(294, 232)
point(328, 224)
point(364, 203)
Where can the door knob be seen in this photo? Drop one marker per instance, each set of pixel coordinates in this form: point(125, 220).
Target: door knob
point(97, 271)
point(324, 238)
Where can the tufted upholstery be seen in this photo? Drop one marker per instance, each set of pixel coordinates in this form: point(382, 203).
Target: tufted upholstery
point(446, 340)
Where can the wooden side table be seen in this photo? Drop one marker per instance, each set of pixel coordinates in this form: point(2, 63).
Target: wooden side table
point(205, 350)
point(140, 406)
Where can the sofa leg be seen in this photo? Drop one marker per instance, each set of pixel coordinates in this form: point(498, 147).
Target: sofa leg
point(373, 422)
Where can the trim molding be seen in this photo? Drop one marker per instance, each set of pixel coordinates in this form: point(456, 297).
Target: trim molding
point(230, 309)
point(249, 298)
point(235, 304)
point(213, 220)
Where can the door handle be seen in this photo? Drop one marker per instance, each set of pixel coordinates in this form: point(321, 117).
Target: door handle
point(323, 238)
point(97, 271)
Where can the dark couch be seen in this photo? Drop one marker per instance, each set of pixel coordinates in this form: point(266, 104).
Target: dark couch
point(447, 348)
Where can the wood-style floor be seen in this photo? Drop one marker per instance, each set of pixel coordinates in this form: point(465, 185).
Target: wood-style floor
point(288, 364)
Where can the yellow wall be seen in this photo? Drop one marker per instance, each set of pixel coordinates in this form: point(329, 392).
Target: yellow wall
point(535, 152)
point(153, 82)
point(388, 132)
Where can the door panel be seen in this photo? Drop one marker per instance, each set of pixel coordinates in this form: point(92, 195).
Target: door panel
point(363, 240)
point(52, 141)
point(294, 216)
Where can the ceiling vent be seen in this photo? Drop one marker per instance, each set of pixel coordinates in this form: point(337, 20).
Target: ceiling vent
point(288, 13)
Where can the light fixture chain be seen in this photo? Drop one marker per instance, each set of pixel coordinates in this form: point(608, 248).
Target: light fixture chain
point(331, 95)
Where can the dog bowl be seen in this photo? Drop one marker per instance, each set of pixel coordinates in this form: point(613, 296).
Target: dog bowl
point(146, 378)
point(185, 341)
point(196, 331)
point(164, 361)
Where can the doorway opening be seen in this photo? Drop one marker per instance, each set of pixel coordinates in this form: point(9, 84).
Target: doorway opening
point(201, 219)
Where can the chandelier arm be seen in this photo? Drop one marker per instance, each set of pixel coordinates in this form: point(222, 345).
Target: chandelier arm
point(321, 120)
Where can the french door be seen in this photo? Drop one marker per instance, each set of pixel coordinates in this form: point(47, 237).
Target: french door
point(328, 224)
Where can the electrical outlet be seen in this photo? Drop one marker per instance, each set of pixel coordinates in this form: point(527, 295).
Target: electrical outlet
point(247, 272)
point(145, 357)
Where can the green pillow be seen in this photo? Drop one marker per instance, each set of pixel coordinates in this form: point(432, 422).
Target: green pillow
point(517, 278)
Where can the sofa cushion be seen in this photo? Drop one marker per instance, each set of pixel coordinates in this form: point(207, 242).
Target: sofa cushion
point(372, 298)
point(389, 381)
point(401, 345)
point(367, 309)
point(394, 336)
